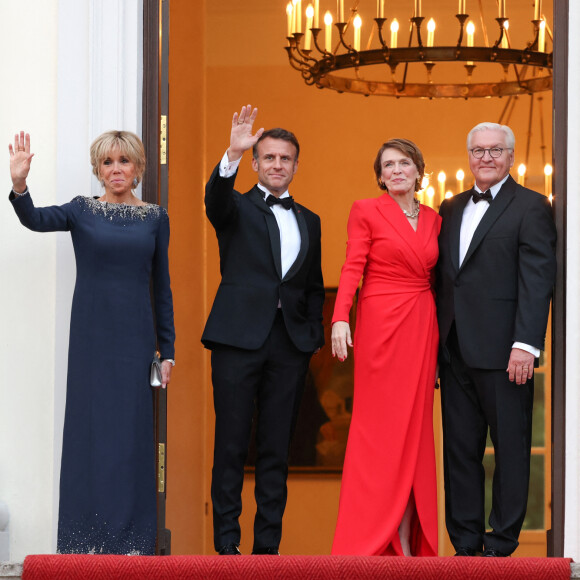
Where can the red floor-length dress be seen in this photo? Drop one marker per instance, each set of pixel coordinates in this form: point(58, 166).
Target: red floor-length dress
point(390, 455)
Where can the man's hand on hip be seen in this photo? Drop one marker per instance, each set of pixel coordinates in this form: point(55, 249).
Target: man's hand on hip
point(520, 366)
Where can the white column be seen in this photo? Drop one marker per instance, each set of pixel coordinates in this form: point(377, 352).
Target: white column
point(116, 67)
point(28, 44)
point(572, 500)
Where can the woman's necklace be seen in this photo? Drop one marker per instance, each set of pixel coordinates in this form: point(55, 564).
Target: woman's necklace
point(416, 208)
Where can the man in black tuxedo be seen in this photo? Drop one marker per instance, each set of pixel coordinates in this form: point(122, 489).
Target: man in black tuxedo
point(264, 326)
point(495, 276)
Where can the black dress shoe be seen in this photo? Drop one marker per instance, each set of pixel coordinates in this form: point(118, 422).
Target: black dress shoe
point(266, 551)
point(466, 552)
point(491, 553)
point(229, 550)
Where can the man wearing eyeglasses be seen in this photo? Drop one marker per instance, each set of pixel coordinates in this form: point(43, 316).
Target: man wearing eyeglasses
point(495, 275)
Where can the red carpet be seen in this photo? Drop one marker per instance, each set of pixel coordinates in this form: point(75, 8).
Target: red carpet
point(291, 567)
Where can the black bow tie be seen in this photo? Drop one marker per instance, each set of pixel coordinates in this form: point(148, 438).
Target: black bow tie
point(285, 202)
point(476, 196)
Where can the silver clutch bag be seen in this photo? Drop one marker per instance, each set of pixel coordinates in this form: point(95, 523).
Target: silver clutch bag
point(155, 373)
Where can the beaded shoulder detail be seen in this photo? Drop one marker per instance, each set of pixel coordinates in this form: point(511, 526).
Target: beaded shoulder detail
point(119, 211)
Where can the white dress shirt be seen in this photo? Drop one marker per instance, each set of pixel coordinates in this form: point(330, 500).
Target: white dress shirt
point(286, 219)
point(472, 215)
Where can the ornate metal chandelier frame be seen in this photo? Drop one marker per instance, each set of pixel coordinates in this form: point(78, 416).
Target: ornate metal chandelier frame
point(323, 71)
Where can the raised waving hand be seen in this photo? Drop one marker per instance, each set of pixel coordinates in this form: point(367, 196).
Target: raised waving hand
point(20, 158)
point(241, 138)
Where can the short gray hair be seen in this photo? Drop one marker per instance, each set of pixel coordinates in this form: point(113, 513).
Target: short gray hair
point(510, 139)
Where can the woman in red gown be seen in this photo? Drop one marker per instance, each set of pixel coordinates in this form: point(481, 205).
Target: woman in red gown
point(388, 498)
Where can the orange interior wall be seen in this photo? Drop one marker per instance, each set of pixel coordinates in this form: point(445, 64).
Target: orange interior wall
point(224, 55)
point(186, 450)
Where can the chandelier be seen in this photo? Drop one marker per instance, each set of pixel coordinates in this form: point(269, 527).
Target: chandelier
point(333, 57)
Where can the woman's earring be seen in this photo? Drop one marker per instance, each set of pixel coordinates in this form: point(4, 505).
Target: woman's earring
point(102, 183)
point(135, 183)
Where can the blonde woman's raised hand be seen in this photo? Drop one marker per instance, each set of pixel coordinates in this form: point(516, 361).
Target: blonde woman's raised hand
point(20, 158)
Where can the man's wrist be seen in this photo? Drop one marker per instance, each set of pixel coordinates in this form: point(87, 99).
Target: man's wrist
point(234, 154)
point(528, 348)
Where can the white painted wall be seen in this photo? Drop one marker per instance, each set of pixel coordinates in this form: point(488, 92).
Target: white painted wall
point(72, 69)
point(28, 43)
point(572, 500)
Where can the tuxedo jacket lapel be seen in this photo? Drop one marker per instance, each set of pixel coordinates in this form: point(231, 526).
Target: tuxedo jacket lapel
point(455, 227)
point(502, 200)
point(257, 198)
point(304, 243)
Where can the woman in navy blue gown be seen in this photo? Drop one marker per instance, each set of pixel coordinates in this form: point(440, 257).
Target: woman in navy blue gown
point(107, 480)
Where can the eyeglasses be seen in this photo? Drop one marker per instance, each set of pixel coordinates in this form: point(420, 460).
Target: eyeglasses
point(494, 152)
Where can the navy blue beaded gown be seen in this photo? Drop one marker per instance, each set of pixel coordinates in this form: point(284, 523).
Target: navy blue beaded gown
point(107, 479)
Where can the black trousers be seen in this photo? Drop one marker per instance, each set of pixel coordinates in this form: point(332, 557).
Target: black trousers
point(473, 400)
point(270, 379)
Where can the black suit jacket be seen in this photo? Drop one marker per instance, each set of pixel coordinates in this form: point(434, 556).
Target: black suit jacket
point(501, 293)
point(251, 269)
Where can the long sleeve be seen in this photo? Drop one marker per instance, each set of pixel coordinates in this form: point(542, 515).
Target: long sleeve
point(54, 218)
point(163, 298)
point(537, 273)
point(357, 249)
point(221, 200)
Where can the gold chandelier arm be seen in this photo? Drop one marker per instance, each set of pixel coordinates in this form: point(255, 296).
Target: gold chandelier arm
point(501, 22)
point(417, 20)
point(322, 51)
point(380, 23)
point(462, 20)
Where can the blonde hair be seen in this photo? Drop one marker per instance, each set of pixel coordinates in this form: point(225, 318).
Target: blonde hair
point(126, 143)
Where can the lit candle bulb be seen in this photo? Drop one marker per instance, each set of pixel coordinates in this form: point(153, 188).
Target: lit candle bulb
point(430, 32)
point(289, 18)
point(538, 10)
point(501, 6)
point(417, 8)
point(548, 180)
point(394, 31)
point(430, 195)
point(441, 177)
point(460, 176)
point(328, 31)
point(357, 23)
point(309, 17)
point(424, 182)
point(380, 8)
point(504, 40)
point(316, 13)
point(542, 37)
point(470, 36)
point(448, 194)
point(470, 33)
point(298, 15)
point(521, 174)
point(461, 7)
